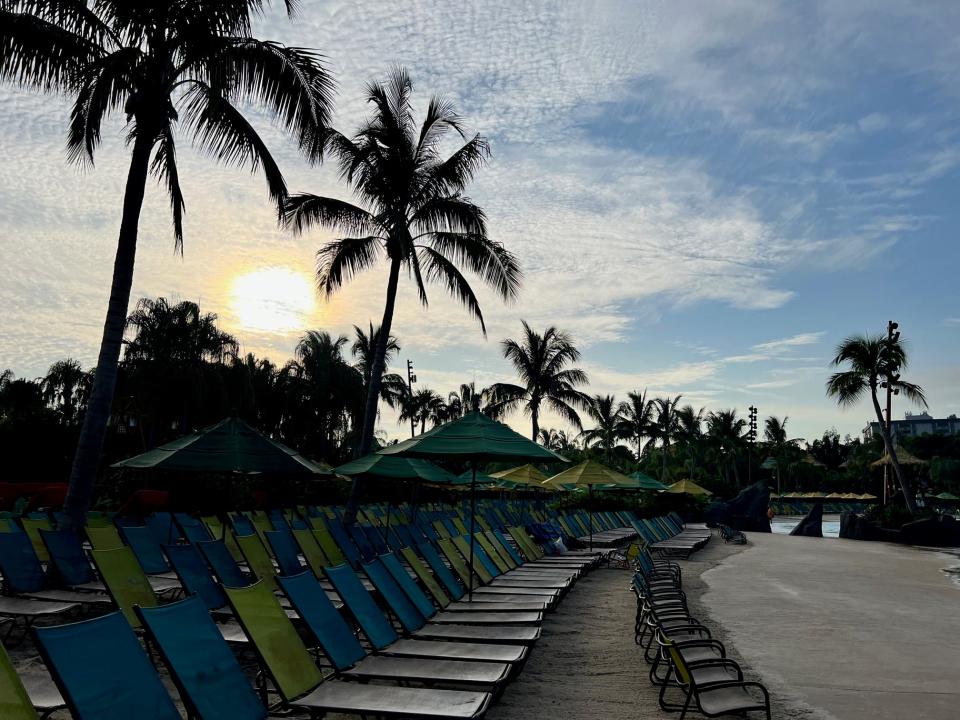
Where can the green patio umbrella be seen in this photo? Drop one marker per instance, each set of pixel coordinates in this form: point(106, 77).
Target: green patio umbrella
point(475, 438)
point(466, 477)
point(642, 481)
point(230, 446)
point(946, 496)
point(390, 467)
point(587, 474)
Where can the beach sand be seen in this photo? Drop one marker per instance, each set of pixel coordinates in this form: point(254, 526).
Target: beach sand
point(586, 665)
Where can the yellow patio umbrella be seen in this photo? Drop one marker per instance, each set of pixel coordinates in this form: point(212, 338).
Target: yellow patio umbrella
point(523, 475)
point(688, 487)
point(903, 457)
point(587, 474)
point(835, 496)
point(868, 496)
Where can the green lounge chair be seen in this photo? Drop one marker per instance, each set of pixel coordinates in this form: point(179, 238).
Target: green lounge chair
point(712, 688)
point(299, 683)
point(28, 696)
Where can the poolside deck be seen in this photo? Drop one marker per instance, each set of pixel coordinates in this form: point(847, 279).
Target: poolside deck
point(853, 630)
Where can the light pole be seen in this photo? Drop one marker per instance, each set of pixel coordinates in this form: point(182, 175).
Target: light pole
point(751, 438)
point(411, 379)
point(893, 334)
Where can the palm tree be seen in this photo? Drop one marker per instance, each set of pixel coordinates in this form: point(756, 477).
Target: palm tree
point(65, 386)
point(158, 63)
point(873, 360)
point(393, 387)
point(637, 418)
point(775, 436)
point(665, 427)
point(328, 394)
point(542, 363)
point(690, 433)
point(420, 407)
point(608, 424)
point(415, 213)
point(555, 440)
point(726, 432)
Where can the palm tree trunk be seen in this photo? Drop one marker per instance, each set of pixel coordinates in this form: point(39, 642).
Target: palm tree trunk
point(90, 445)
point(888, 444)
point(535, 421)
point(373, 391)
point(663, 470)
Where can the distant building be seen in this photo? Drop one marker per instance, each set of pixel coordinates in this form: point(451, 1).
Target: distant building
point(914, 425)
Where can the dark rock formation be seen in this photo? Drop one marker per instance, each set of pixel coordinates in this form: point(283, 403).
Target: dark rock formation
point(812, 524)
point(943, 531)
point(858, 527)
point(747, 511)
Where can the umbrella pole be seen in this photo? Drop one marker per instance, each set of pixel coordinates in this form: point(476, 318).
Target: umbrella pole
point(590, 513)
point(389, 511)
point(473, 519)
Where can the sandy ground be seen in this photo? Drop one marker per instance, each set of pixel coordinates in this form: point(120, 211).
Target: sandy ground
point(586, 665)
point(843, 629)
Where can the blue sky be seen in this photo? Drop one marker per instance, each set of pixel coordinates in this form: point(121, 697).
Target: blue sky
point(708, 196)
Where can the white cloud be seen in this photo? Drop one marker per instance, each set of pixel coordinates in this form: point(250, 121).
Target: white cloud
point(778, 346)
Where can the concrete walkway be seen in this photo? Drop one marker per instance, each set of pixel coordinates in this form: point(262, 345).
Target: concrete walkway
point(858, 630)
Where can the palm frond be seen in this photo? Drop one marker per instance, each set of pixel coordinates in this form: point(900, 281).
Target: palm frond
point(847, 387)
point(104, 87)
point(292, 82)
point(492, 262)
point(221, 130)
point(437, 268)
point(36, 52)
point(341, 260)
point(165, 166)
point(450, 213)
point(303, 211)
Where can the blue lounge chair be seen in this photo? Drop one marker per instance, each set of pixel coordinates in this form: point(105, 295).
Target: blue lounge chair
point(103, 672)
point(349, 659)
point(203, 667)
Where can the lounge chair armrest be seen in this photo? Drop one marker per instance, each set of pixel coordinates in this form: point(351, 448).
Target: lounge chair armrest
point(693, 626)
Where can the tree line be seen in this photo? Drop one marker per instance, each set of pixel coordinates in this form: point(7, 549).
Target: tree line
point(180, 372)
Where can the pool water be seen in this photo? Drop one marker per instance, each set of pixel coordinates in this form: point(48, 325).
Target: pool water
point(783, 526)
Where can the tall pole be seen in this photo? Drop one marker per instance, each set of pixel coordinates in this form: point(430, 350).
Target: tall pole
point(893, 334)
point(590, 513)
point(751, 438)
point(411, 379)
point(473, 516)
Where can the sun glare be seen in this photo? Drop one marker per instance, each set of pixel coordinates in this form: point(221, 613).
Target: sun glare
point(276, 299)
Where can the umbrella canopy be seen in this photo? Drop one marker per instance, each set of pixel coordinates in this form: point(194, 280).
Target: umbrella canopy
point(835, 496)
point(688, 487)
point(769, 464)
point(946, 496)
point(396, 468)
point(589, 473)
point(474, 437)
point(868, 496)
point(477, 438)
point(523, 475)
point(903, 457)
point(230, 446)
point(645, 482)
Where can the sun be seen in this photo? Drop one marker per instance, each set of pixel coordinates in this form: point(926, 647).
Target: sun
point(275, 299)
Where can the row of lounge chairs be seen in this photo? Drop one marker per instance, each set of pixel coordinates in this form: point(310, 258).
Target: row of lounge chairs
point(669, 536)
point(690, 667)
point(298, 594)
